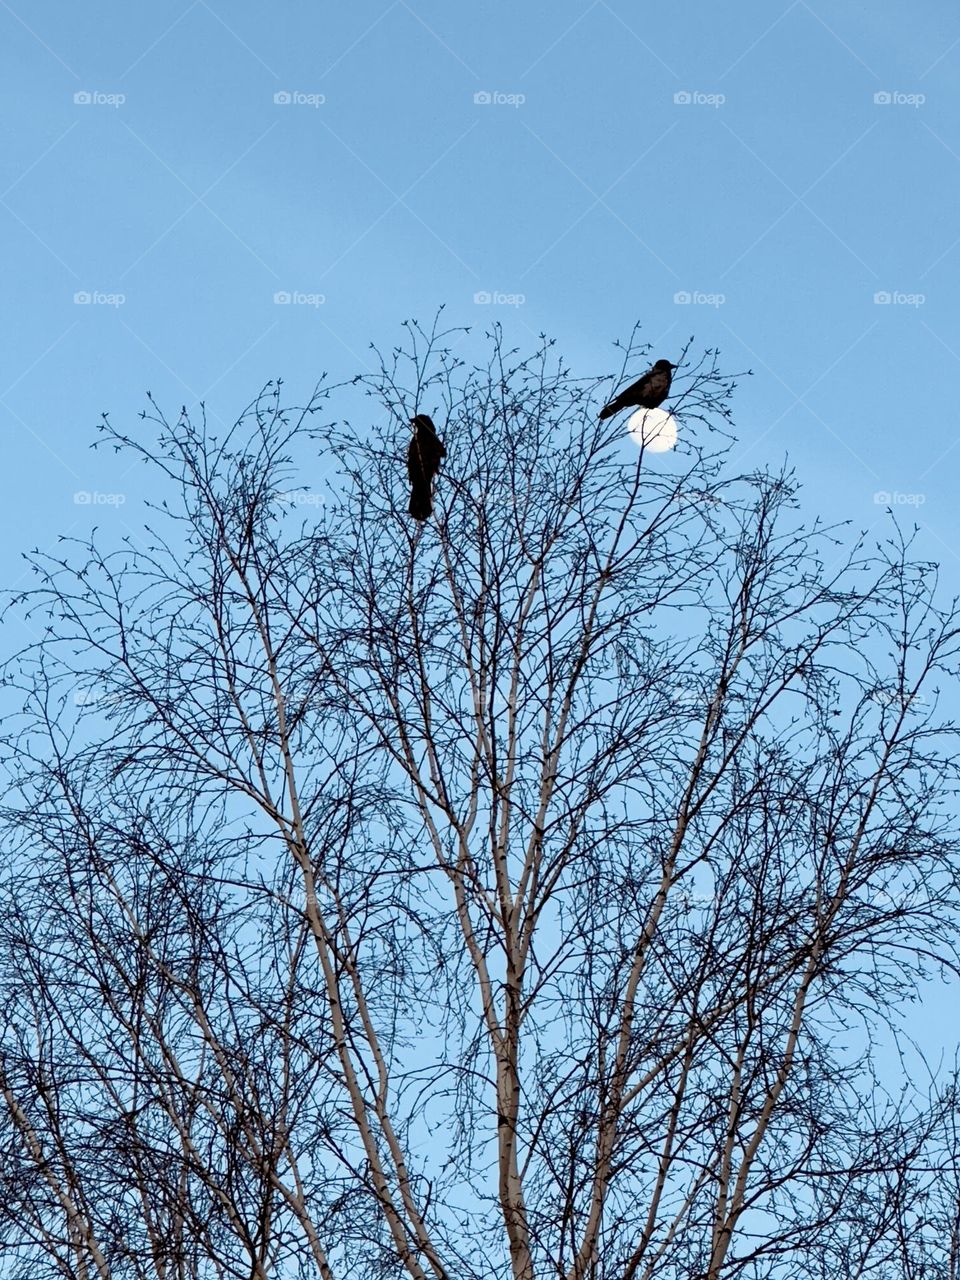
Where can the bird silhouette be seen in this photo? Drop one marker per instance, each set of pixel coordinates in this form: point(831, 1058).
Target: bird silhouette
point(646, 393)
point(423, 463)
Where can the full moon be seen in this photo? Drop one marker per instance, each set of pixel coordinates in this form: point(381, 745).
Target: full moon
point(653, 429)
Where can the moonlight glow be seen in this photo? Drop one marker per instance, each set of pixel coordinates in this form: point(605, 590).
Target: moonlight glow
point(654, 429)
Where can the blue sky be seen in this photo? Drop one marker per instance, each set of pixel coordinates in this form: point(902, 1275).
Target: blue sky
point(781, 165)
point(782, 197)
point(780, 180)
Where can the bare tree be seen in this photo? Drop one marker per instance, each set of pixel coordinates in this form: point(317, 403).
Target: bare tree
point(533, 892)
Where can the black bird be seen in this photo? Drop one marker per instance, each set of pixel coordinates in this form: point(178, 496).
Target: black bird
point(646, 393)
point(423, 463)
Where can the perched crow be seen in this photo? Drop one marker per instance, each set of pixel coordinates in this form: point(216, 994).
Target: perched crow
point(646, 393)
point(423, 463)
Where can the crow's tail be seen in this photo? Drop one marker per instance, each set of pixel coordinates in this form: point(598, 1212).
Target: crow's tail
point(421, 505)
